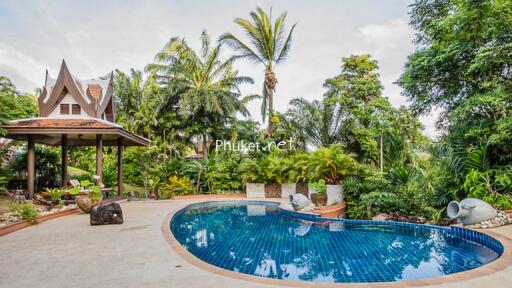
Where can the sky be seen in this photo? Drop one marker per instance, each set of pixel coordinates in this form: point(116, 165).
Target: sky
point(96, 37)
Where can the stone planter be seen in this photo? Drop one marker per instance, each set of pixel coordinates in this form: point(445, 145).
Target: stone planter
point(85, 203)
point(302, 188)
point(334, 194)
point(287, 190)
point(311, 190)
point(273, 190)
point(255, 190)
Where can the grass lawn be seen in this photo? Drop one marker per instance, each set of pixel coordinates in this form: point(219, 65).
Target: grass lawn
point(133, 188)
point(73, 171)
point(5, 204)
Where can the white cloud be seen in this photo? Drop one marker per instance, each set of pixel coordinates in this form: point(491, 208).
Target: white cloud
point(123, 35)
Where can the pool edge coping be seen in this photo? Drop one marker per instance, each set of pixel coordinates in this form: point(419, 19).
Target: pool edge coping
point(502, 262)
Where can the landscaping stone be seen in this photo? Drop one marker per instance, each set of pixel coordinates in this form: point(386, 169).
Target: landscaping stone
point(381, 217)
point(9, 217)
point(110, 213)
point(501, 219)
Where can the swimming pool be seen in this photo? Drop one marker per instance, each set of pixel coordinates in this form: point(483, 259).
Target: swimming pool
point(258, 238)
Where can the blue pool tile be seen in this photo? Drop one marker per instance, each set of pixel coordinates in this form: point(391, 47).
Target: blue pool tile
point(286, 245)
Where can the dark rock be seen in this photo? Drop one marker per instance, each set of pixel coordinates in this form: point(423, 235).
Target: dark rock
point(110, 213)
point(446, 222)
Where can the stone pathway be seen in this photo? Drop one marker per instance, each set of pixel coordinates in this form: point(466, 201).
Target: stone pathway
point(68, 252)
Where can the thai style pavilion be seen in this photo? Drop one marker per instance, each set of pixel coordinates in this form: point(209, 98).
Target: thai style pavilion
point(74, 112)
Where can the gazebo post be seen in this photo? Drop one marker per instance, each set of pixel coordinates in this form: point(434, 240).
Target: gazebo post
point(64, 151)
point(99, 157)
point(119, 166)
point(31, 167)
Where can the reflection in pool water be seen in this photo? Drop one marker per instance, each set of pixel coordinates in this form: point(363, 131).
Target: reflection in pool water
point(259, 239)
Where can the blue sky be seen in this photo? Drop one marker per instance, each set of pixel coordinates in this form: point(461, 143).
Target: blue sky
point(96, 37)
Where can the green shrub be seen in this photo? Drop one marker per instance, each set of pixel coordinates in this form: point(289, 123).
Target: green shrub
point(254, 171)
point(320, 187)
point(84, 177)
point(27, 212)
point(492, 186)
point(330, 164)
point(176, 187)
point(221, 182)
point(3, 184)
point(55, 193)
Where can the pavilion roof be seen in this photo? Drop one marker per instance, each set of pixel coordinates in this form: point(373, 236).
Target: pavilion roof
point(80, 131)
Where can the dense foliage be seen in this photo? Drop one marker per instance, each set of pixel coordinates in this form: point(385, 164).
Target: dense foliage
point(463, 66)
point(186, 99)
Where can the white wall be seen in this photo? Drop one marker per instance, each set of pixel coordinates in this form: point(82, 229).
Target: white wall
point(68, 99)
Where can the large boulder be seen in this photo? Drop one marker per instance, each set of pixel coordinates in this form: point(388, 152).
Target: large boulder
point(110, 213)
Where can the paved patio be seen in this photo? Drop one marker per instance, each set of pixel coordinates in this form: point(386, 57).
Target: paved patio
point(68, 252)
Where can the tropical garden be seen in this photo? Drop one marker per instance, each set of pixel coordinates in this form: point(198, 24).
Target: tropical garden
point(186, 99)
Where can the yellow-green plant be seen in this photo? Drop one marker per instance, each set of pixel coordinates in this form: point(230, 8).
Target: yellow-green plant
point(330, 164)
point(177, 186)
point(55, 193)
point(27, 211)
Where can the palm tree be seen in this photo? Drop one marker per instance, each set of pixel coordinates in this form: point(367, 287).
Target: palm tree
point(205, 86)
point(318, 121)
point(270, 47)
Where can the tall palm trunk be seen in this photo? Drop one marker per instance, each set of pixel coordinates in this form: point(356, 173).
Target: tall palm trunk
point(270, 86)
point(381, 153)
point(205, 146)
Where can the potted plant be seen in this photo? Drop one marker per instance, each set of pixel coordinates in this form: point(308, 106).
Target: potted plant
point(299, 173)
point(319, 198)
point(331, 165)
point(56, 195)
point(280, 176)
point(251, 175)
point(88, 198)
point(271, 167)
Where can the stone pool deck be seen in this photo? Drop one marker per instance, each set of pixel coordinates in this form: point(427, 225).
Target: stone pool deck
point(68, 252)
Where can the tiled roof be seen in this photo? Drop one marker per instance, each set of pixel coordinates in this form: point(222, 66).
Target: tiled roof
point(61, 123)
point(94, 90)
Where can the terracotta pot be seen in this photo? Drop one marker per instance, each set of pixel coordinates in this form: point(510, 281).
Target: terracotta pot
point(334, 211)
point(273, 190)
point(319, 199)
point(85, 203)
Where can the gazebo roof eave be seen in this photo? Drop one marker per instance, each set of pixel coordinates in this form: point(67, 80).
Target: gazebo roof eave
point(49, 131)
point(48, 136)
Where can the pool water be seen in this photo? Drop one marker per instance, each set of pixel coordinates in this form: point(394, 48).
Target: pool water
point(259, 238)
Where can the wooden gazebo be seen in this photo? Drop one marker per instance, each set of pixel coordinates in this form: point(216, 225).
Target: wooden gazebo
point(74, 112)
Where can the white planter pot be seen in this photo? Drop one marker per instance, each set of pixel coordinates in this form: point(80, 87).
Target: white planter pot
point(255, 190)
point(311, 190)
point(287, 190)
point(334, 194)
